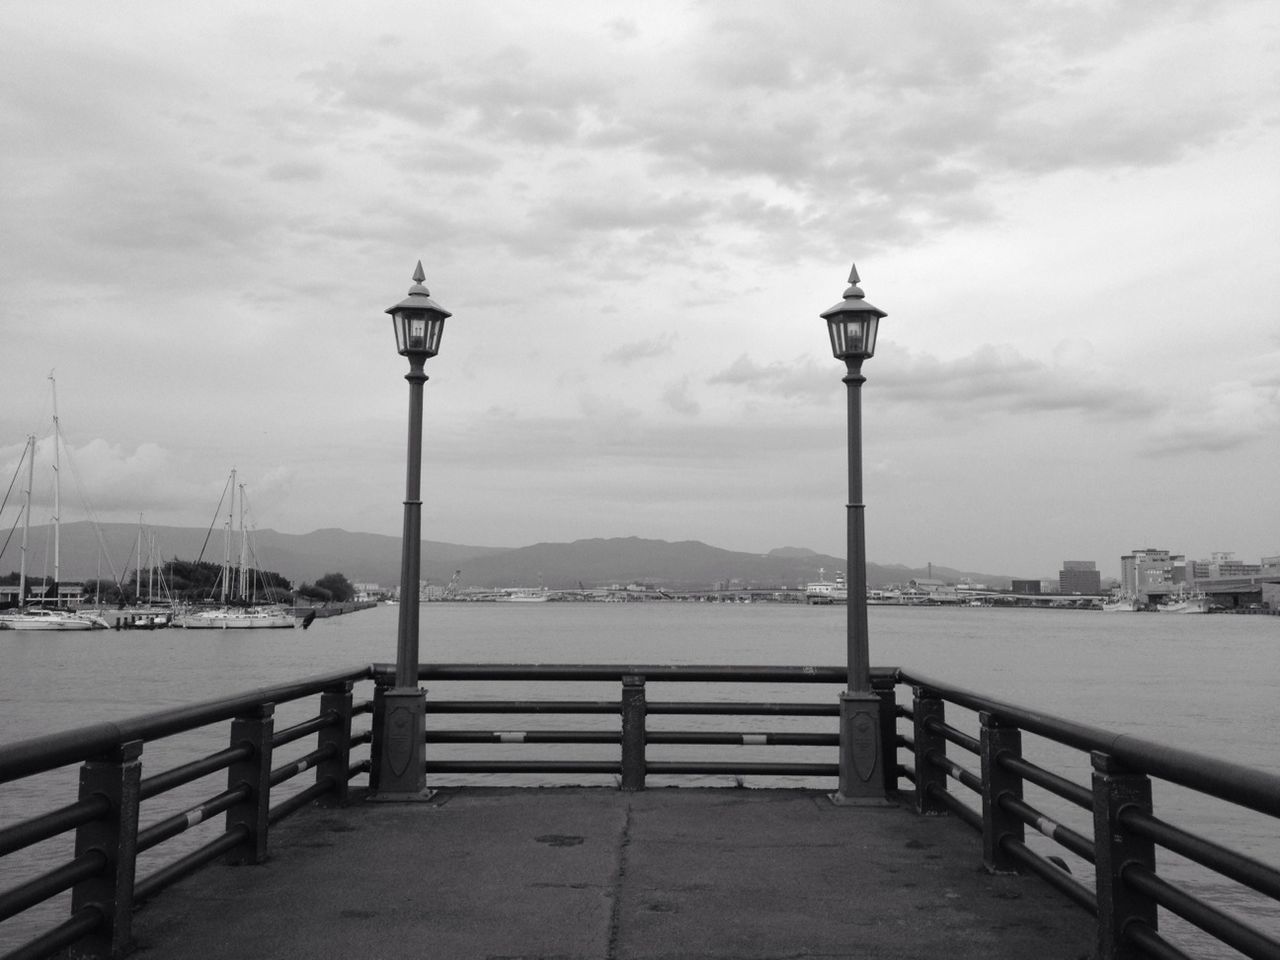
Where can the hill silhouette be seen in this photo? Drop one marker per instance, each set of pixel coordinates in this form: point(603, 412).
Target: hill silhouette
point(375, 558)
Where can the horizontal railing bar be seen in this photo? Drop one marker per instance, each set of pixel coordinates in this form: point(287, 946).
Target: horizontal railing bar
point(170, 827)
point(361, 738)
point(727, 709)
point(22, 835)
point(1052, 874)
point(523, 706)
point(300, 730)
point(304, 763)
point(955, 771)
point(364, 706)
point(654, 673)
point(167, 780)
point(170, 874)
point(651, 736)
point(524, 736)
point(1072, 840)
point(955, 736)
point(524, 766)
point(82, 923)
point(52, 883)
point(730, 768)
point(299, 800)
point(54, 750)
point(1151, 943)
point(719, 708)
point(1233, 782)
point(1060, 786)
point(1235, 933)
point(744, 739)
point(1246, 870)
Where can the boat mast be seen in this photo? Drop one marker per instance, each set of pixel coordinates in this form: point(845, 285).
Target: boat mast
point(243, 576)
point(226, 543)
point(138, 575)
point(26, 524)
point(57, 494)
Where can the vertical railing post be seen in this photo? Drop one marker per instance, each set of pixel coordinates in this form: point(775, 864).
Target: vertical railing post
point(633, 732)
point(253, 730)
point(1116, 788)
point(336, 738)
point(116, 777)
point(886, 689)
point(928, 706)
point(380, 685)
point(997, 823)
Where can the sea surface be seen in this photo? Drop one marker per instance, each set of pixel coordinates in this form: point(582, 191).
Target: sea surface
point(1203, 683)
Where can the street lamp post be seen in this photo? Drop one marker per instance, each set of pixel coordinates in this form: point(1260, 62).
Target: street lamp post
point(419, 324)
point(853, 324)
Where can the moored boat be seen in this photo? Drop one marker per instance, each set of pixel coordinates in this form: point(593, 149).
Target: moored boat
point(43, 618)
point(1121, 603)
point(239, 618)
point(1184, 603)
point(238, 607)
point(825, 591)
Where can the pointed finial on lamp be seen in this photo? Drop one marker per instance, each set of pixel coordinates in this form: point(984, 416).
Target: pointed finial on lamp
point(854, 290)
point(418, 277)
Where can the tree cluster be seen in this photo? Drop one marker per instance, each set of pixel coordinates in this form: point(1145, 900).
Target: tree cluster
point(331, 588)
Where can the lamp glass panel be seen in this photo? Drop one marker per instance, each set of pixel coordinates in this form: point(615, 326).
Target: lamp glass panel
point(397, 324)
point(417, 334)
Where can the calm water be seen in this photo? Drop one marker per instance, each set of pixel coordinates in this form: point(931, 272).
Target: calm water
point(1203, 683)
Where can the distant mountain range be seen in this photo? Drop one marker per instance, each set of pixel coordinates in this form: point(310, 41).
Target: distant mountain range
point(374, 558)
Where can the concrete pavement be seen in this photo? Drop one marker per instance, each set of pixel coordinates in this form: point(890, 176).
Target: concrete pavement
point(570, 873)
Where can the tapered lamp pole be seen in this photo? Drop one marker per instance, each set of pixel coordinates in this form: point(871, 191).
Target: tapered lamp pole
point(419, 324)
point(852, 324)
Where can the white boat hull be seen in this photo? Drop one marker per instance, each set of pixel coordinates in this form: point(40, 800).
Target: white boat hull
point(1195, 605)
point(49, 620)
point(238, 620)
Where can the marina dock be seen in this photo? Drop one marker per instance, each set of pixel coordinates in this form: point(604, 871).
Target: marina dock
point(600, 873)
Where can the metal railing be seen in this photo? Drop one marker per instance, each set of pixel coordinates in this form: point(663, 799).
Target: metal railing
point(1124, 893)
point(1126, 890)
point(101, 876)
point(634, 735)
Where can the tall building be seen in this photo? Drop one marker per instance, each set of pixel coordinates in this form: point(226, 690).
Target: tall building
point(1079, 576)
point(1149, 571)
point(1218, 565)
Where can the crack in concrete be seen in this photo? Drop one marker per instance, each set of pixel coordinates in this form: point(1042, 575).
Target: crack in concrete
point(620, 875)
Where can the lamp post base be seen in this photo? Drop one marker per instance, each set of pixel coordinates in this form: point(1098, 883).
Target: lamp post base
point(402, 752)
point(861, 773)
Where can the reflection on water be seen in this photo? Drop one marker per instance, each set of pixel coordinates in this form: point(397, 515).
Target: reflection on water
point(1201, 683)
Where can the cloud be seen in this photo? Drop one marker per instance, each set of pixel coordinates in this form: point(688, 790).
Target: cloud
point(1226, 416)
point(676, 396)
point(629, 353)
point(999, 379)
point(798, 380)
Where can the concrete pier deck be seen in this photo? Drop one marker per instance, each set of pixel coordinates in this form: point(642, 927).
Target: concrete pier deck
point(598, 874)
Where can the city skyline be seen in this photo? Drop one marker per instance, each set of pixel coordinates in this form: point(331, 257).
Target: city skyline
point(635, 217)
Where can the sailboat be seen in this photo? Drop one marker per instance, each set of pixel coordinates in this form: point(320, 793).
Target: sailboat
point(27, 616)
point(237, 608)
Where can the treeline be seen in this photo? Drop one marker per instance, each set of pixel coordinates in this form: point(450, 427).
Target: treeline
point(187, 580)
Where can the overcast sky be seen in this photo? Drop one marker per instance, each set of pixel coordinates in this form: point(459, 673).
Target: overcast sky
point(1069, 211)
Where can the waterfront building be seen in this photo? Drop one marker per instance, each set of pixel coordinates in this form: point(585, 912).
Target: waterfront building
point(1079, 576)
point(1221, 564)
point(1151, 571)
point(1030, 588)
